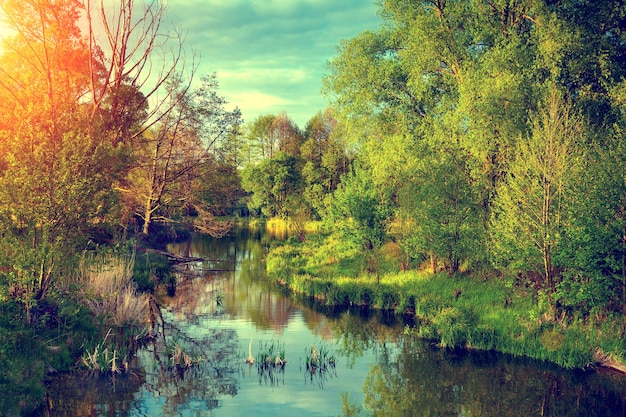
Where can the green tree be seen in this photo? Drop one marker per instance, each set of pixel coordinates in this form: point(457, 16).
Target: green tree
point(531, 211)
point(263, 143)
point(593, 255)
point(325, 159)
point(271, 183)
point(287, 134)
point(358, 215)
point(55, 178)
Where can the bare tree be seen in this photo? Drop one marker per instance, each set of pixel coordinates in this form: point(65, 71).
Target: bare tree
point(130, 47)
point(175, 150)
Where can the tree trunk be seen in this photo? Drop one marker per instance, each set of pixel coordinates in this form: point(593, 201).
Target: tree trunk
point(147, 219)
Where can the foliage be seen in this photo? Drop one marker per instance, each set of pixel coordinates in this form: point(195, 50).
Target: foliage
point(271, 182)
point(357, 214)
point(151, 269)
point(457, 313)
point(173, 156)
point(531, 211)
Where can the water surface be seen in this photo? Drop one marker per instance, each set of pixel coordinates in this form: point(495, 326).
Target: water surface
point(222, 310)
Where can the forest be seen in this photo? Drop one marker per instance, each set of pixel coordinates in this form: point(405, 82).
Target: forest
point(470, 140)
point(481, 138)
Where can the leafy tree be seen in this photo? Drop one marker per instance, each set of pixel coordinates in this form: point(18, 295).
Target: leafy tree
point(325, 159)
point(172, 155)
point(55, 179)
point(358, 215)
point(594, 250)
point(48, 212)
point(271, 183)
point(261, 138)
point(441, 211)
point(286, 134)
point(532, 209)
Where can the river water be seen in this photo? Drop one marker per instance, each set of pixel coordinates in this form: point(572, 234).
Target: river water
point(221, 312)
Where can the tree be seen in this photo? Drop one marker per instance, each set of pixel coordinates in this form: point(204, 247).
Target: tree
point(325, 159)
point(122, 63)
point(272, 182)
point(44, 69)
point(593, 249)
point(261, 137)
point(531, 210)
point(172, 155)
point(54, 178)
point(440, 212)
point(286, 134)
point(358, 215)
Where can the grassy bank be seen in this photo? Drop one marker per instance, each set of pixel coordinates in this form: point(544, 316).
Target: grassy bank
point(460, 311)
point(93, 321)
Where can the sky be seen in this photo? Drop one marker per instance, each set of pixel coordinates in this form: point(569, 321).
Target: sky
point(270, 55)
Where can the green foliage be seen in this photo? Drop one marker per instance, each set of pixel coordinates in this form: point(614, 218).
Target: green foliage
point(22, 363)
point(151, 269)
point(271, 183)
point(531, 211)
point(458, 313)
point(357, 215)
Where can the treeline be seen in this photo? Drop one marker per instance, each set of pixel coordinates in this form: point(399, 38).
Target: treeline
point(473, 137)
point(482, 137)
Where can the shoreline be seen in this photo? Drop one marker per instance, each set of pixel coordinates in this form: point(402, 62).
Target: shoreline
point(457, 312)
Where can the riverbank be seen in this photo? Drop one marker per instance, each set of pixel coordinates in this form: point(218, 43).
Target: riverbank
point(457, 312)
point(91, 322)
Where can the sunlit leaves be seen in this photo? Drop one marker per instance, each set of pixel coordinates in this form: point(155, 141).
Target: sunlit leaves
point(532, 207)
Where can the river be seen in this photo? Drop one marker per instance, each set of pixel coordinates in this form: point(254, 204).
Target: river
point(222, 311)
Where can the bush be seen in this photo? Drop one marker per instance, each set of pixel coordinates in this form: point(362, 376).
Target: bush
point(151, 269)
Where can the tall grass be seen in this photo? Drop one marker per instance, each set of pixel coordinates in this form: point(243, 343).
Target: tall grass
point(107, 288)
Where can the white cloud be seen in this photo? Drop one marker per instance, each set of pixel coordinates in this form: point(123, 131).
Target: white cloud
point(267, 75)
point(257, 100)
point(271, 52)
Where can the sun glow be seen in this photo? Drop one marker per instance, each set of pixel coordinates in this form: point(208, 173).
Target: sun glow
point(5, 30)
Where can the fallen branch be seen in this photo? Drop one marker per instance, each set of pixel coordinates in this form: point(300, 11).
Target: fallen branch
point(181, 259)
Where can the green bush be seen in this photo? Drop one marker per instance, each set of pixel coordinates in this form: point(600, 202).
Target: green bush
point(151, 269)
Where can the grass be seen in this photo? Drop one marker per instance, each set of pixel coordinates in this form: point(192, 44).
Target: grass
point(319, 357)
point(107, 288)
point(103, 359)
point(457, 312)
point(270, 355)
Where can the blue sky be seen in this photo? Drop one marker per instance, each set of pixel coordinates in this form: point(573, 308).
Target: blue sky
point(270, 55)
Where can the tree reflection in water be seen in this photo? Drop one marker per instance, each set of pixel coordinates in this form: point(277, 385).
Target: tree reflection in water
point(379, 371)
point(422, 380)
point(171, 389)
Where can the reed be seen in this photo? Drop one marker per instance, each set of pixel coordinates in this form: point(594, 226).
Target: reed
point(107, 288)
point(319, 357)
point(271, 354)
point(104, 358)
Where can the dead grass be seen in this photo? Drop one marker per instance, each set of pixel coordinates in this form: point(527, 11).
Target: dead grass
point(107, 288)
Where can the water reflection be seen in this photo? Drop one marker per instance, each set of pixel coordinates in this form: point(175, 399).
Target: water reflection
point(420, 380)
point(216, 314)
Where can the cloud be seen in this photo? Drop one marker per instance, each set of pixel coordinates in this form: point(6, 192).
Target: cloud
point(257, 100)
point(270, 52)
